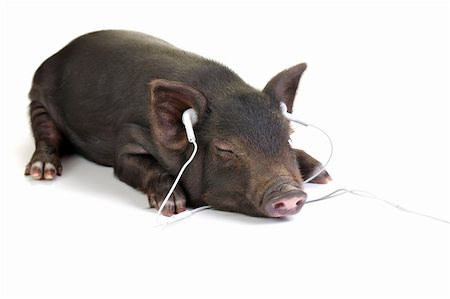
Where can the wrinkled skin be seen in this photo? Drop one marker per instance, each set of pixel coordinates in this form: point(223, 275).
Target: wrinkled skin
point(116, 97)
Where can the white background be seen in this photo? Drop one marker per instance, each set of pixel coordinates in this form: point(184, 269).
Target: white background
point(377, 82)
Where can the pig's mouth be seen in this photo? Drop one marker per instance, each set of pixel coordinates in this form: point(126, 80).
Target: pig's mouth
point(284, 203)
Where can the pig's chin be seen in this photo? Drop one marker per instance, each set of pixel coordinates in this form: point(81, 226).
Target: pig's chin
point(238, 204)
point(247, 210)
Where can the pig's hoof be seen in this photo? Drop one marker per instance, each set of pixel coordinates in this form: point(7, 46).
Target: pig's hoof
point(322, 178)
point(176, 203)
point(43, 166)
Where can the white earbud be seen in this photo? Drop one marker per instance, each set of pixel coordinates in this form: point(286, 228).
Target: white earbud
point(189, 119)
point(289, 116)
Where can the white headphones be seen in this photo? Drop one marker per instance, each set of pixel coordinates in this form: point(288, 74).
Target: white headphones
point(189, 119)
point(289, 116)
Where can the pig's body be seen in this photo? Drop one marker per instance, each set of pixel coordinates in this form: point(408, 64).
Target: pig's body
point(116, 97)
point(90, 109)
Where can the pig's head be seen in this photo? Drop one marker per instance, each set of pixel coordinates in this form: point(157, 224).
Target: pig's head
point(245, 163)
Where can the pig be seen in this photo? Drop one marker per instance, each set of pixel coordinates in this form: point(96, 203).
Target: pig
point(116, 97)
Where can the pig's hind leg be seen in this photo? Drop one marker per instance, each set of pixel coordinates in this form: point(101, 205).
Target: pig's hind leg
point(309, 166)
point(45, 162)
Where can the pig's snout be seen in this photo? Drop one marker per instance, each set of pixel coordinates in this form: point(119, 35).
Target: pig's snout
point(285, 204)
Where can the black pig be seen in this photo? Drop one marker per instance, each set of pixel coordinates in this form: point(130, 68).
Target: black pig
point(116, 97)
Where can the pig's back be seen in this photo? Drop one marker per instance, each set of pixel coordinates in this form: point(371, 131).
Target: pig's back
point(98, 82)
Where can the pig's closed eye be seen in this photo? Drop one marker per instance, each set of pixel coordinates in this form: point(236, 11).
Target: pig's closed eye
point(225, 151)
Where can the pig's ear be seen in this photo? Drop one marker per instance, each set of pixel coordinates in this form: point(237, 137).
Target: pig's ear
point(284, 85)
point(168, 101)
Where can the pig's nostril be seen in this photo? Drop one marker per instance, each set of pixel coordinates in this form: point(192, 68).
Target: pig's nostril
point(288, 204)
point(279, 205)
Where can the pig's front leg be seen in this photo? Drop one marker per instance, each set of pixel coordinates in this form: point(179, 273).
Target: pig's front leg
point(309, 166)
point(139, 169)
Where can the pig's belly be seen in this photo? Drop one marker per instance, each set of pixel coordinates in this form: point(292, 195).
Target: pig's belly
point(90, 135)
point(96, 146)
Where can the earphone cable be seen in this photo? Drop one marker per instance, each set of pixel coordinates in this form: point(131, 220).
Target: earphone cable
point(177, 179)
